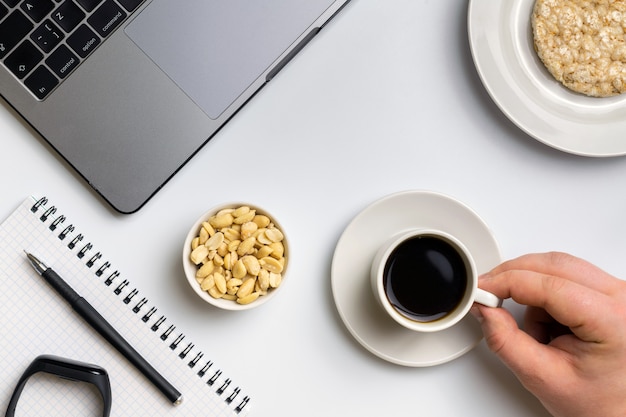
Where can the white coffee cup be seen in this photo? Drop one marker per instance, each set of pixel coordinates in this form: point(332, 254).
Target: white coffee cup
point(426, 280)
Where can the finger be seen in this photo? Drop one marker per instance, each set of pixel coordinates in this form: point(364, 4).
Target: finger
point(542, 326)
point(536, 322)
point(565, 266)
point(533, 363)
point(582, 309)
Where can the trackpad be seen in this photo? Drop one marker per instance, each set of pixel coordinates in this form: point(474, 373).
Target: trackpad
point(214, 50)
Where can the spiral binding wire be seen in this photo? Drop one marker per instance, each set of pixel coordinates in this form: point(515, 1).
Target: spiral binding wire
point(187, 350)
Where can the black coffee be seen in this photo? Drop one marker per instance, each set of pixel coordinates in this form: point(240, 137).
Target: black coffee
point(425, 278)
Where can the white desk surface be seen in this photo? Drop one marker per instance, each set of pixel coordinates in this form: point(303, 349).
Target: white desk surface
point(385, 99)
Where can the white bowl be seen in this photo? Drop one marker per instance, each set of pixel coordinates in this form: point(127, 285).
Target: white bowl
point(190, 268)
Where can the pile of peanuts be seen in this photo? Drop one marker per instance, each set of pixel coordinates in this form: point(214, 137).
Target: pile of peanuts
point(240, 255)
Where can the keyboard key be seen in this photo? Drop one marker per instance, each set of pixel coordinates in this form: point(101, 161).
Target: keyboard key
point(37, 9)
point(106, 18)
point(83, 41)
point(12, 30)
point(89, 5)
point(68, 15)
point(12, 3)
point(23, 59)
point(62, 61)
point(130, 5)
point(3, 11)
point(47, 36)
point(41, 82)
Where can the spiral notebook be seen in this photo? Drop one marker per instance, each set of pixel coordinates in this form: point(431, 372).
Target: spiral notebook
point(35, 320)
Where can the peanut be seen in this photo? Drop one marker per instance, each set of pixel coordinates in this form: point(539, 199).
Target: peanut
point(208, 283)
point(214, 241)
point(274, 234)
point(205, 270)
point(220, 282)
point(244, 218)
point(271, 264)
point(248, 229)
point(246, 288)
point(261, 221)
point(222, 220)
point(215, 293)
point(239, 269)
point(249, 298)
point(246, 247)
point(199, 254)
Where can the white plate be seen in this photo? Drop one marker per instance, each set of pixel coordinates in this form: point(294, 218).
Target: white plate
point(352, 292)
point(501, 42)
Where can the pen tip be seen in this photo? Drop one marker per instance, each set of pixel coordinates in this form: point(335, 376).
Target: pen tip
point(36, 263)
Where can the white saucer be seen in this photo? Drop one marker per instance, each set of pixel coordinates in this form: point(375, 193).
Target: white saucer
point(352, 292)
point(502, 46)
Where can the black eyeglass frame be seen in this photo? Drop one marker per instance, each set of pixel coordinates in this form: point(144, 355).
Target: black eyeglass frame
point(69, 369)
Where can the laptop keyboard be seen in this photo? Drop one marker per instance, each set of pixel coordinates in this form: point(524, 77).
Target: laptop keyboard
point(43, 41)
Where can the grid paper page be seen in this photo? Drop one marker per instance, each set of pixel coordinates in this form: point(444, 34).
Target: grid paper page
point(35, 320)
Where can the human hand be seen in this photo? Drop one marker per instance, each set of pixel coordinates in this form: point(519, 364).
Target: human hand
point(572, 354)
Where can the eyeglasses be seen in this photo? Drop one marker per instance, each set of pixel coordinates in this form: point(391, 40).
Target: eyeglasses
point(69, 369)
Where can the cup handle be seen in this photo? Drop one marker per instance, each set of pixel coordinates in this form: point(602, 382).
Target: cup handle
point(486, 298)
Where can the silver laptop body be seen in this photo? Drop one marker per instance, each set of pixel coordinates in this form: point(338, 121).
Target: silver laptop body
point(157, 80)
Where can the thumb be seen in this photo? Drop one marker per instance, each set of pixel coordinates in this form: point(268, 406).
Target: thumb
point(528, 359)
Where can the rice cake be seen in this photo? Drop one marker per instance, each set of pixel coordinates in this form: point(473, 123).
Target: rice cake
point(582, 43)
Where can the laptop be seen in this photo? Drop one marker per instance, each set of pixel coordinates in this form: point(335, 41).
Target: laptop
point(127, 91)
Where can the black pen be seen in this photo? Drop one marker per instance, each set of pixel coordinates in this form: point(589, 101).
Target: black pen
point(87, 312)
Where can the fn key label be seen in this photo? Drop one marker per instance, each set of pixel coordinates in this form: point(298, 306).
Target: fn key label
point(41, 82)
